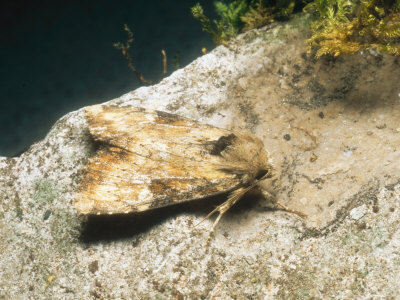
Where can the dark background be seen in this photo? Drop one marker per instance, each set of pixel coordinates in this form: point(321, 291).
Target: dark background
point(58, 56)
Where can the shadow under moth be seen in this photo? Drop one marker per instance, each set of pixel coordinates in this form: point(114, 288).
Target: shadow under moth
point(149, 159)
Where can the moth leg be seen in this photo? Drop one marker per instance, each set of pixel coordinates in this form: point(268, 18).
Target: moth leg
point(209, 215)
point(211, 231)
point(273, 199)
point(223, 208)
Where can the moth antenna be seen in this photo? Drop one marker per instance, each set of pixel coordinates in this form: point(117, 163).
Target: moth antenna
point(285, 208)
point(273, 199)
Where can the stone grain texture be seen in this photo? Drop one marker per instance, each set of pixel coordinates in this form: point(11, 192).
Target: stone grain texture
point(332, 128)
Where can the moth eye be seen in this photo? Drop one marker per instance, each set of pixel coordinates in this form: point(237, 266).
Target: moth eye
point(260, 174)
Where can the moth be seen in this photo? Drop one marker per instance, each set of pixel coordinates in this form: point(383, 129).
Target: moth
point(148, 159)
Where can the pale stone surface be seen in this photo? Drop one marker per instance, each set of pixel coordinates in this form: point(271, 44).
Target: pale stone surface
point(332, 129)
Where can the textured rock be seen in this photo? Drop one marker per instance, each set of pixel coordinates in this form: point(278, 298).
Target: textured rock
point(332, 129)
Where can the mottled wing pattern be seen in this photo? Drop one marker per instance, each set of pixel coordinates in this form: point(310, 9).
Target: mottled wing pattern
point(149, 159)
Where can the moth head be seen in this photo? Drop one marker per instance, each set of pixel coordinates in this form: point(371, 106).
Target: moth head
point(245, 156)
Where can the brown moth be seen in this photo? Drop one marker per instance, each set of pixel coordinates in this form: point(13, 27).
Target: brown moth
point(149, 159)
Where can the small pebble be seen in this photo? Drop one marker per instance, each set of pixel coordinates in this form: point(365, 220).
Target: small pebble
point(358, 212)
point(313, 157)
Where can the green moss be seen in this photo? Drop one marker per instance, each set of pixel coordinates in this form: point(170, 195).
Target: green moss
point(338, 26)
point(228, 24)
point(241, 15)
point(349, 26)
point(263, 12)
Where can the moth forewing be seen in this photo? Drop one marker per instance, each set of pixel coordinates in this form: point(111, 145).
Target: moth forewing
point(148, 159)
